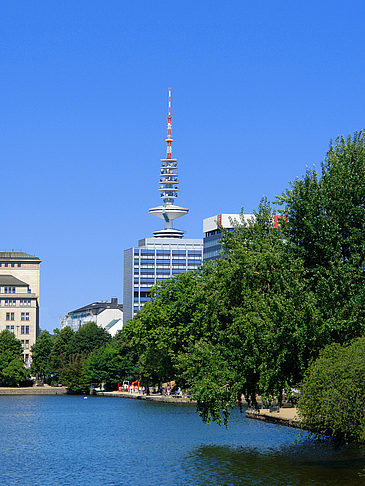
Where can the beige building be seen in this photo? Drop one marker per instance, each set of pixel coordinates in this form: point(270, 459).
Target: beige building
point(19, 297)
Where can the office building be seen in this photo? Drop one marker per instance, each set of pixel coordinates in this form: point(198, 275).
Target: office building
point(165, 255)
point(108, 315)
point(212, 247)
point(19, 302)
point(155, 260)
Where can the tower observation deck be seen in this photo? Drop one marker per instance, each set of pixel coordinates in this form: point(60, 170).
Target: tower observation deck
point(168, 187)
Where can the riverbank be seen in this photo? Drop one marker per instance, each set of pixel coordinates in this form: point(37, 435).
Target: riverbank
point(34, 390)
point(284, 416)
point(152, 398)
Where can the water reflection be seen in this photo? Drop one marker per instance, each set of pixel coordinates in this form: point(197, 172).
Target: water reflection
point(303, 463)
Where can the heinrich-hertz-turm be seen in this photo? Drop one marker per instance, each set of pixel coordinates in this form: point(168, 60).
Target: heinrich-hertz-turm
point(165, 255)
point(169, 187)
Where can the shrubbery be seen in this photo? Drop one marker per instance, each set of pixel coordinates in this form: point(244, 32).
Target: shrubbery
point(332, 399)
point(12, 369)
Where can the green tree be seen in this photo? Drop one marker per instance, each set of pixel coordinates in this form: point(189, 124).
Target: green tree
point(10, 345)
point(87, 339)
point(326, 226)
point(14, 374)
point(259, 321)
point(41, 355)
point(61, 349)
point(72, 374)
point(12, 370)
point(332, 394)
point(161, 328)
point(110, 364)
point(70, 351)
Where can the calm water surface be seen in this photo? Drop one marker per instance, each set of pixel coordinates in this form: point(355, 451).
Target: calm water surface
point(67, 440)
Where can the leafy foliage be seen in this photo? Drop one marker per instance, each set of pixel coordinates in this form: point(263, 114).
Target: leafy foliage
point(72, 374)
point(110, 364)
point(326, 227)
point(41, 354)
point(14, 374)
point(88, 338)
point(261, 321)
point(333, 392)
point(10, 345)
point(12, 370)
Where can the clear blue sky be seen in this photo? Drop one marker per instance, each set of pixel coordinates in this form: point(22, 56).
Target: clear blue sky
point(259, 89)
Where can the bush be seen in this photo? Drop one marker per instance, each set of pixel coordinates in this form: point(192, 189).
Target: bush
point(332, 395)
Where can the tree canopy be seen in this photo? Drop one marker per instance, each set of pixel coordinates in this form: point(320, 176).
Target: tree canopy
point(332, 394)
point(12, 370)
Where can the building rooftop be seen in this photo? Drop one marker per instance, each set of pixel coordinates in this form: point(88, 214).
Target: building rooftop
point(10, 280)
point(97, 307)
point(17, 255)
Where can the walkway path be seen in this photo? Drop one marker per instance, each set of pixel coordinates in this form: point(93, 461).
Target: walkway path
point(285, 416)
point(152, 398)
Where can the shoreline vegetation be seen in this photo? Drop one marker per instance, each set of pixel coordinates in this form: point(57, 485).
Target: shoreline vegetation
point(280, 314)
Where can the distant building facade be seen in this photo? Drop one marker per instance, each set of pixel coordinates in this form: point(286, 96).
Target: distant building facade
point(212, 246)
point(108, 315)
point(19, 297)
point(155, 260)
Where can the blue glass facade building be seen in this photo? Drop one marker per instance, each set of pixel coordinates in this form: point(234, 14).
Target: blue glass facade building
point(155, 260)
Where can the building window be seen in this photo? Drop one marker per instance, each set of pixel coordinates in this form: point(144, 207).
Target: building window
point(27, 343)
point(22, 329)
point(29, 291)
point(6, 264)
point(12, 329)
point(6, 302)
point(13, 264)
point(26, 329)
point(19, 264)
point(22, 343)
point(24, 316)
point(8, 328)
point(10, 316)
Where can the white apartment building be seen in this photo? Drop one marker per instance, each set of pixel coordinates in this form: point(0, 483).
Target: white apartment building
point(108, 315)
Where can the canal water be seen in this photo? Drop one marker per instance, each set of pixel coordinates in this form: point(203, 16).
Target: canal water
point(69, 440)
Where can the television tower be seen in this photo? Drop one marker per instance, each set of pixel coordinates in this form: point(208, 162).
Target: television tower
point(168, 187)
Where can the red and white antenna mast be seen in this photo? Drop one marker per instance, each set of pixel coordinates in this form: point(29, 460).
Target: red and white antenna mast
point(169, 139)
